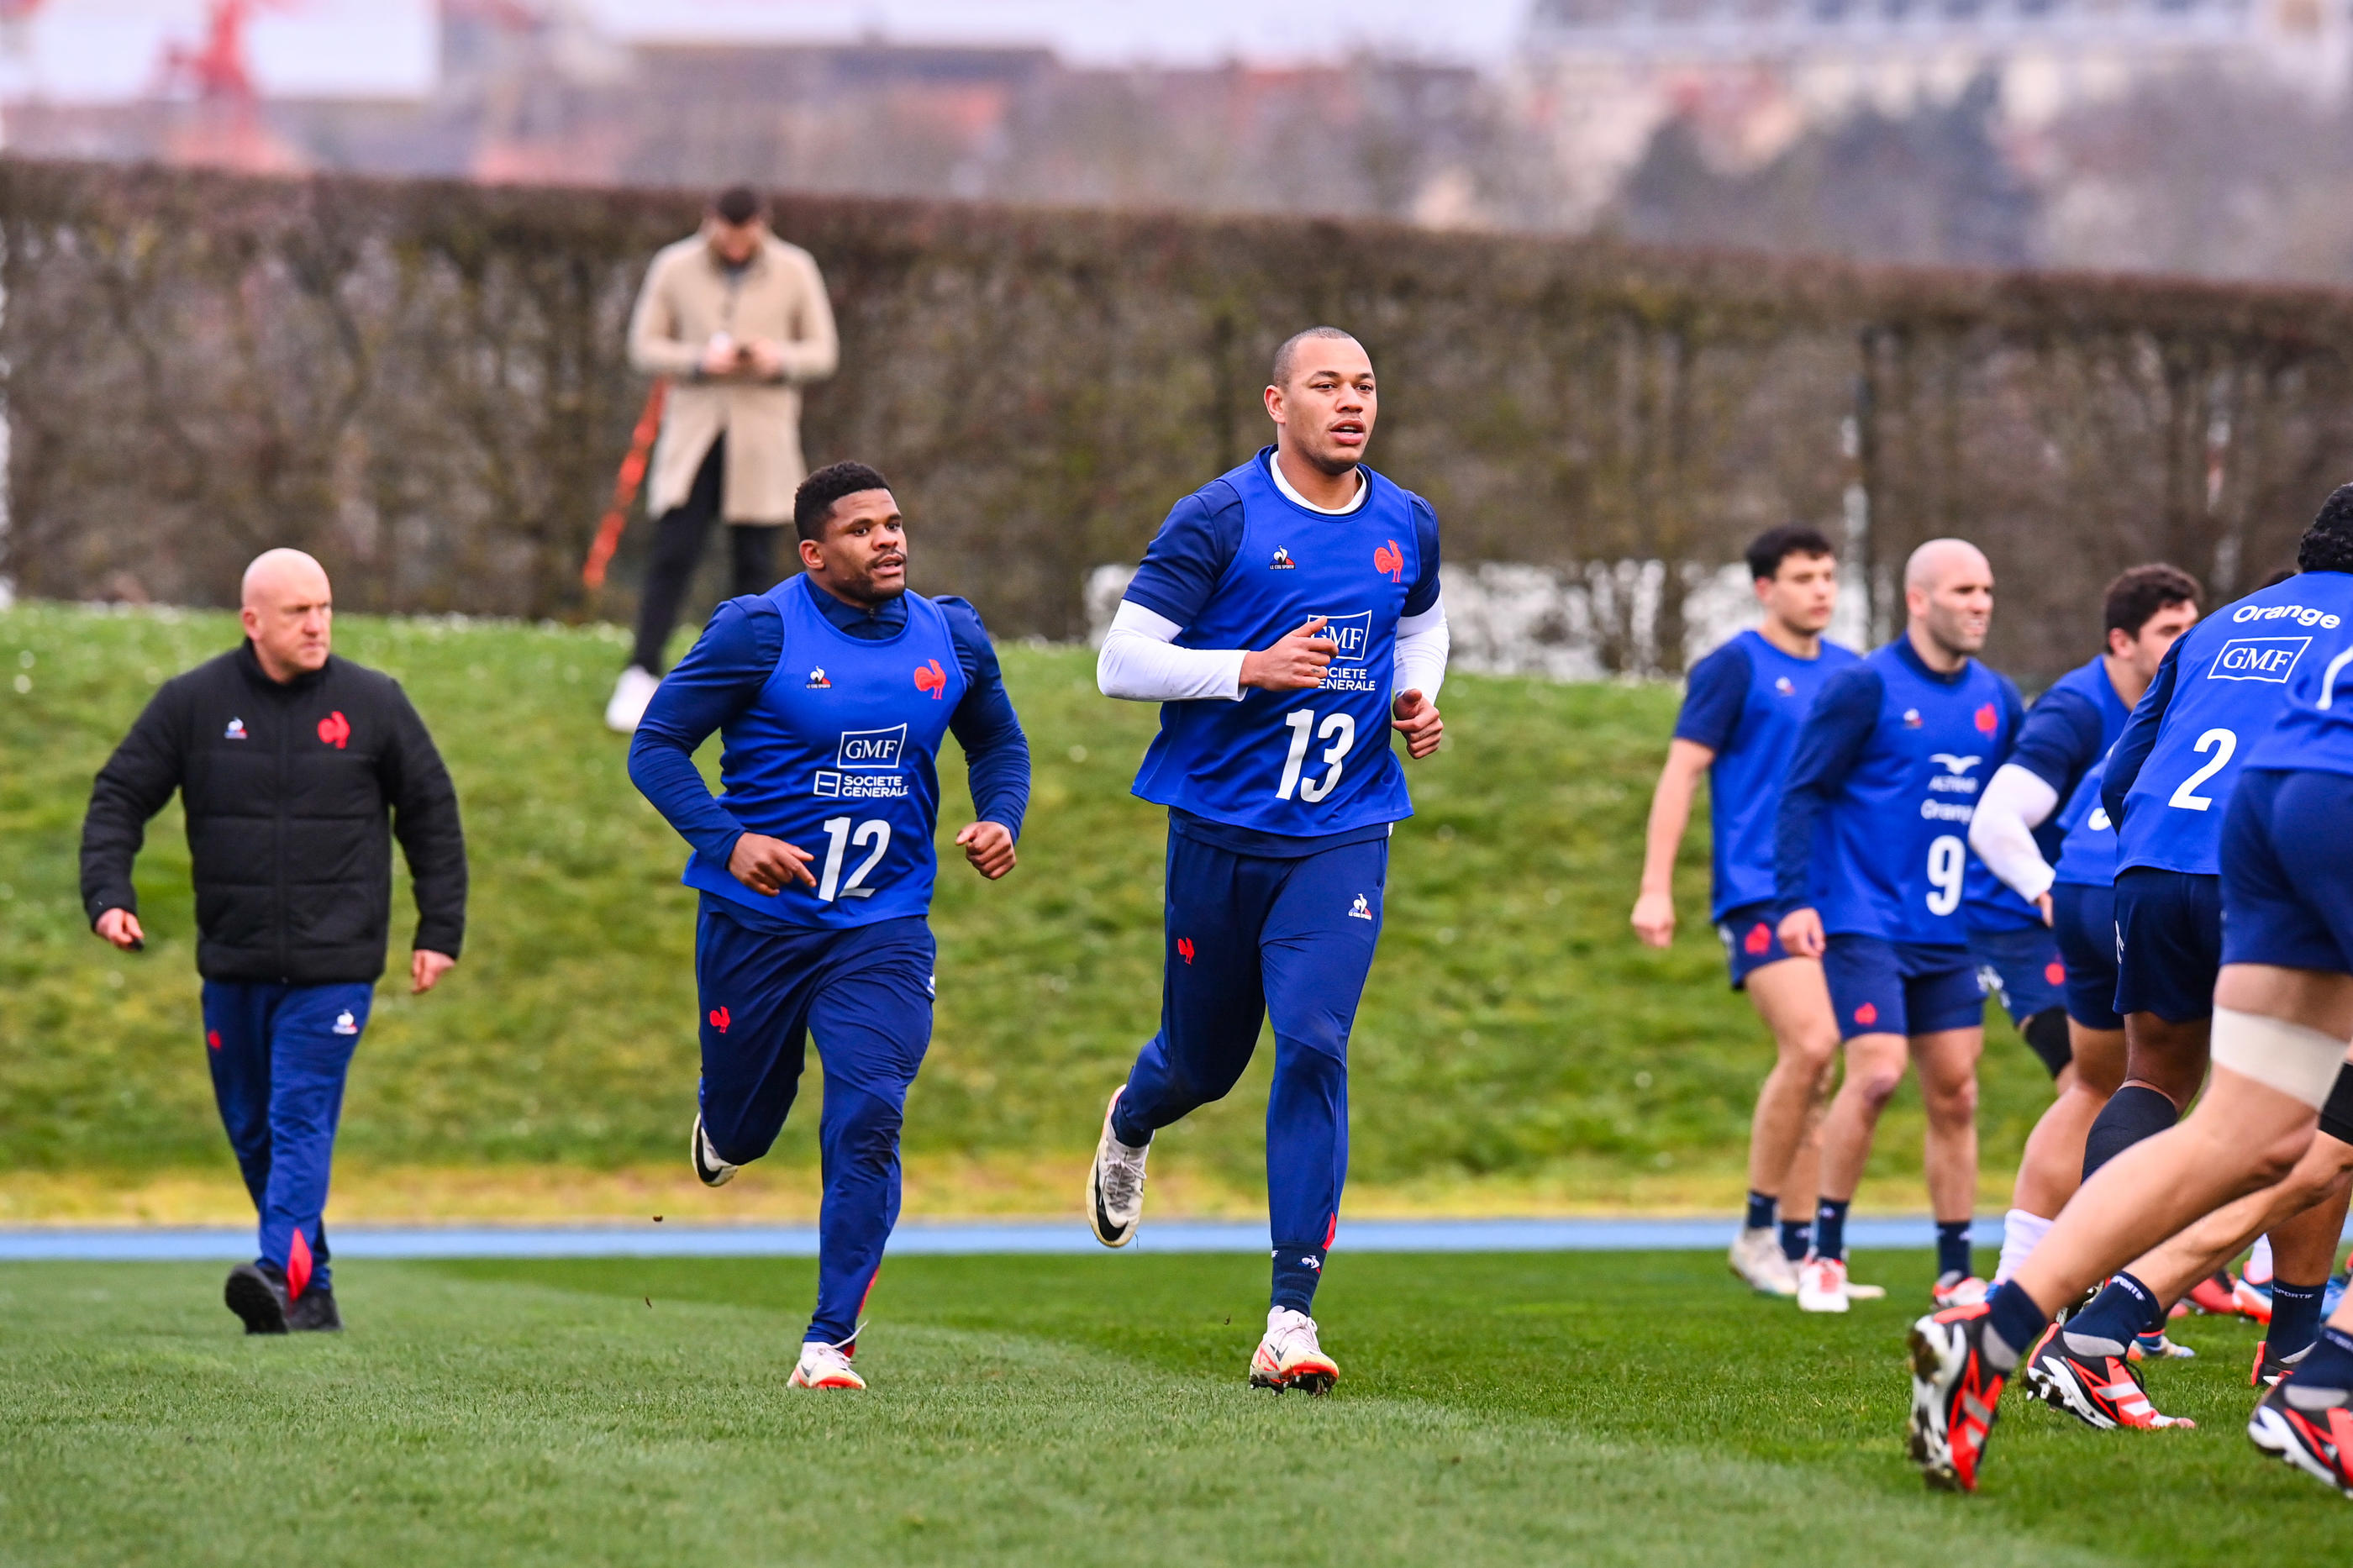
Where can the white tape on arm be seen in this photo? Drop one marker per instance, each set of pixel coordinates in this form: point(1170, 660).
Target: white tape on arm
point(2300, 1063)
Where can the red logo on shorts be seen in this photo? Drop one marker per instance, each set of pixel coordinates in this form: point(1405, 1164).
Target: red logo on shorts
point(297, 1266)
point(212, 1039)
point(335, 729)
point(1185, 948)
point(1988, 720)
point(1866, 1014)
point(1389, 561)
point(931, 678)
point(1760, 938)
point(2055, 972)
point(719, 1019)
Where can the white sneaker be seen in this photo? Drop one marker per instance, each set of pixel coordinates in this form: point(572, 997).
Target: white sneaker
point(1757, 1256)
point(824, 1366)
point(709, 1168)
point(630, 694)
point(1116, 1184)
point(1860, 1292)
point(1821, 1285)
point(1289, 1357)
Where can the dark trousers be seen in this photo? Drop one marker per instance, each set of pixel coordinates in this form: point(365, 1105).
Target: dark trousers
point(679, 538)
point(279, 1055)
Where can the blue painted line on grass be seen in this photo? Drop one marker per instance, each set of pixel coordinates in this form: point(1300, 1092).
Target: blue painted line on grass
point(130, 1244)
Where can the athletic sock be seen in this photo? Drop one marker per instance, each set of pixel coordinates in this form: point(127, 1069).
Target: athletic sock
point(1952, 1248)
point(2295, 1317)
point(2330, 1364)
point(2133, 1113)
point(2022, 1233)
point(1797, 1235)
point(1761, 1207)
point(2015, 1321)
point(1133, 1137)
point(1297, 1271)
point(2258, 1271)
point(1830, 1228)
point(2124, 1307)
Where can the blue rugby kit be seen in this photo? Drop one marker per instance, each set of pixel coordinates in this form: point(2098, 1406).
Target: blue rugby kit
point(2084, 906)
point(2287, 877)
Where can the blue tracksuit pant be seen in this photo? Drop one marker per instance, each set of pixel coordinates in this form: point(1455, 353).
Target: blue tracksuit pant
point(280, 1054)
point(1250, 939)
point(866, 994)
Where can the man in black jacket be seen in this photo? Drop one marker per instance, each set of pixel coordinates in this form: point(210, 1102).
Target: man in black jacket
point(288, 763)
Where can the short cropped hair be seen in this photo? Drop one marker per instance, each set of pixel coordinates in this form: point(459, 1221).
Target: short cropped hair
point(2327, 544)
point(813, 502)
point(1289, 352)
point(1774, 545)
point(2140, 591)
point(738, 205)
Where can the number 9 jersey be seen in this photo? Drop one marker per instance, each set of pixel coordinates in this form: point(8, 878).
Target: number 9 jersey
point(1310, 762)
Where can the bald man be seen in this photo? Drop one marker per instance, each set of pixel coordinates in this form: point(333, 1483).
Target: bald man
point(290, 765)
point(1871, 858)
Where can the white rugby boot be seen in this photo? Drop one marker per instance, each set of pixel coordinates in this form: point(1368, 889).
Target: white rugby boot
point(1116, 1184)
point(630, 694)
point(709, 1168)
point(1289, 1357)
point(824, 1365)
point(1757, 1256)
point(1821, 1285)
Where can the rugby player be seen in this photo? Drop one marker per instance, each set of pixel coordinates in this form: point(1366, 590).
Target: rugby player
point(1742, 707)
point(1285, 618)
point(1871, 858)
point(2281, 1009)
point(2019, 821)
point(833, 690)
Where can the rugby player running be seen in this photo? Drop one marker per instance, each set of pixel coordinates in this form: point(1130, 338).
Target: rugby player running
point(1742, 707)
point(1285, 618)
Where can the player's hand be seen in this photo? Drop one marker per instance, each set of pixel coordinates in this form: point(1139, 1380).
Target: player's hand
point(768, 865)
point(1416, 718)
point(121, 926)
point(2042, 902)
point(1295, 664)
point(989, 846)
point(426, 968)
point(767, 358)
point(1802, 933)
point(1654, 919)
point(722, 355)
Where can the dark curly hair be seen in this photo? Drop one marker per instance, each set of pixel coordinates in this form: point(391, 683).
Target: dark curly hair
point(2327, 544)
point(813, 502)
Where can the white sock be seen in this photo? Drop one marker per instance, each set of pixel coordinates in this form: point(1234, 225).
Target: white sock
point(2259, 1262)
point(2022, 1233)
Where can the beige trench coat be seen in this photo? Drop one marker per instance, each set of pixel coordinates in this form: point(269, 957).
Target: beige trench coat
point(687, 297)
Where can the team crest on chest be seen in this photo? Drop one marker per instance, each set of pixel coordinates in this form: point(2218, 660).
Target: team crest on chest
point(817, 682)
point(1911, 717)
point(1785, 686)
point(1281, 562)
point(1389, 561)
point(236, 730)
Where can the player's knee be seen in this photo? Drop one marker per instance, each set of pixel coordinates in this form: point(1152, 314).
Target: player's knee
point(1875, 1083)
point(1954, 1104)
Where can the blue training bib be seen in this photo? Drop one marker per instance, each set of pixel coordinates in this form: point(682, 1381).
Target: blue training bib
point(2087, 854)
point(2315, 732)
point(1743, 781)
point(1994, 904)
point(839, 757)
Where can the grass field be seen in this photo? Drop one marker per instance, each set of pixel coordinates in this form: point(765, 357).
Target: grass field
point(1541, 1408)
point(1516, 1050)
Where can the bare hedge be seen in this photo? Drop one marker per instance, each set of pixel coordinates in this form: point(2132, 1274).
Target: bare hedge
point(424, 382)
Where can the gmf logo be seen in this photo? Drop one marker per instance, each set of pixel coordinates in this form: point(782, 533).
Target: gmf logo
point(335, 729)
point(1389, 561)
point(931, 678)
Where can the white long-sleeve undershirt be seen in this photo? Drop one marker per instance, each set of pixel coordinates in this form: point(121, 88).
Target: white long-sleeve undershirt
point(1141, 662)
point(2001, 830)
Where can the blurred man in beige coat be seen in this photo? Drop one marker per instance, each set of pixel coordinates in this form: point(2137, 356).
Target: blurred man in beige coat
point(738, 321)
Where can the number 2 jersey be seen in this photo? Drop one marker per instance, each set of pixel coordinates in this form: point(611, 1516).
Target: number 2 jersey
point(1873, 827)
point(2220, 692)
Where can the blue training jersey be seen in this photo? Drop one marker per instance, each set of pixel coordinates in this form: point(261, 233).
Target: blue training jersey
point(2087, 845)
point(1299, 765)
point(2066, 736)
point(839, 757)
point(2222, 688)
point(1874, 819)
point(1744, 702)
point(2315, 732)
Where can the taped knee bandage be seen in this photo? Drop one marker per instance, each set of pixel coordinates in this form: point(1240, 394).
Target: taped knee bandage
point(2299, 1062)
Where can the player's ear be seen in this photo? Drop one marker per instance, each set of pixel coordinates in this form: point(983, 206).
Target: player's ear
point(812, 555)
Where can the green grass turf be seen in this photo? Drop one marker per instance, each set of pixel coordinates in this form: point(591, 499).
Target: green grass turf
point(1534, 1408)
point(1513, 1025)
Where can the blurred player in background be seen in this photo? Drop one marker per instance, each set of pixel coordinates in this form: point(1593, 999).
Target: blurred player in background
point(1742, 707)
point(1871, 863)
point(833, 690)
point(1286, 617)
point(2042, 806)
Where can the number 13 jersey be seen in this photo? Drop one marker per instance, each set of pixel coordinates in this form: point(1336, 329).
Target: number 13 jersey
point(1310, 762)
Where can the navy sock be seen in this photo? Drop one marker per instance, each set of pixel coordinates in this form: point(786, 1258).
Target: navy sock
point(1133, 1136)
point(2133, 1113)
point(1830, 1228)
point(1761, 1209)
point(2017, 1322)
point(1297, 1271)
point(2330, 1364)
point(1797, 1235)
point(2124, 1307)
point(2295, 1317)
point(1952, 1246)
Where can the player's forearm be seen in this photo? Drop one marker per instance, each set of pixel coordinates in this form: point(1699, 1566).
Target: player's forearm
point(999, 778)
point(1422, 643)
point(665, 773)
point(1794, 826)
point(2001, 830)
point(1662, 838)
point(1139, 664)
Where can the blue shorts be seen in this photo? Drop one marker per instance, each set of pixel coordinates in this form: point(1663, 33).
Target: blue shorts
point(2287, 870)
point(2020, 967)
point(1881, 987)
point(1752, 938)
point(2168, 942)
point(2084, 923)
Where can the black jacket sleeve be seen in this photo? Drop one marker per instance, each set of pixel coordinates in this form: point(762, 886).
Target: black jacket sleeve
point(133, 786)
point(425, 819)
